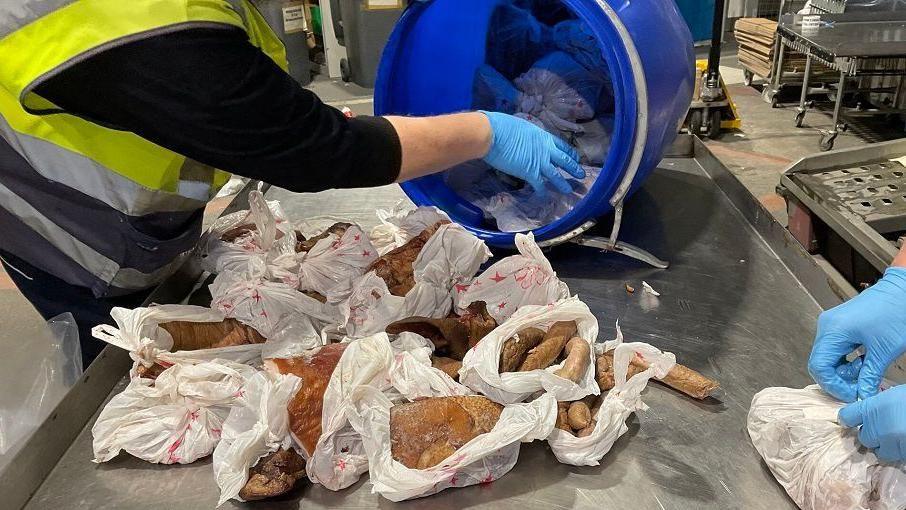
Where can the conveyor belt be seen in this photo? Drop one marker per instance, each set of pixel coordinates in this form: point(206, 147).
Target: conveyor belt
point(738, 303)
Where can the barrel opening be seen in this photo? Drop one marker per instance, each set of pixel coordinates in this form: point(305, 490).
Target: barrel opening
point(542, 63)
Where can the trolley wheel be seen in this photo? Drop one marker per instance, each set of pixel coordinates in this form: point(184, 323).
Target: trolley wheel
point(800, 116)
point(345, 75)
point(695, 122)
point(714, 124)
point(842, 127)
point(827, 142)
point(747, 77)
point(775, 102)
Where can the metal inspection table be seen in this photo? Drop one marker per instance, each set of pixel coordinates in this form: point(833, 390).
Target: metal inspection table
point(854, 44)
point(739, 303)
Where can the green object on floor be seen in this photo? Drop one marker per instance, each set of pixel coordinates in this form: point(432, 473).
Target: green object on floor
point(316, 19)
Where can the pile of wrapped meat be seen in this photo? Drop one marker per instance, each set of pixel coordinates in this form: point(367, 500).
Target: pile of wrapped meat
point(543, 65)
point(331, 352)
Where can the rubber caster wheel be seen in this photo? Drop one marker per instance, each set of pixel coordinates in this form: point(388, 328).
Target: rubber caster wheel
point(775, 102)
point(827, 142)
point(799, 118)
point(345, 75)
point(747, 77)
point(695, 122)
point(714, 125)
point(843, 127)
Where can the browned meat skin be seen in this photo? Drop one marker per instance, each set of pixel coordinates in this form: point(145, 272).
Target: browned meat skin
point(306, 406)
point(563, 417)
point(453, 335)
point(448, 366)
point(151, 372)
point(578, 354)
point(242, 230)
point(395, 267)
point(424, 433)
point(549, 349)
point(579, 415)
point(305, 245)
point(680, 377)
point(315, 295)
point(192, 336)
point(275, 474)
point(514, 350)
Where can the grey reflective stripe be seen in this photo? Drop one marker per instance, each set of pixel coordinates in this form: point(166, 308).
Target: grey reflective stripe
point(93, 179)
point(15, 14)
point(102, 267)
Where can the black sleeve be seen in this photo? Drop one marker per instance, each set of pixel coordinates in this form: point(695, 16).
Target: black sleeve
point(210, 95)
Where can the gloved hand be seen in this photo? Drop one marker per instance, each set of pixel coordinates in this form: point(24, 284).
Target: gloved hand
point(874, 320)
point(883, 421)
point(523, 150)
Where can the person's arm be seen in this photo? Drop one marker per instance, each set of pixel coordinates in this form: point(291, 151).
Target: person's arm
point(210, 95)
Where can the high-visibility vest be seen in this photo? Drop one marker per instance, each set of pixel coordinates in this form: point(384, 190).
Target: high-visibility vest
point(98, 207)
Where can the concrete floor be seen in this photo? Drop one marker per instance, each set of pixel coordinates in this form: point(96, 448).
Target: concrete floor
point(758, 153)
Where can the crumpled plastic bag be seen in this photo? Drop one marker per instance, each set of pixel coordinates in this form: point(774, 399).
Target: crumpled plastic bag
point(175, 419)
point(820, 464)
point(559, 91)
point(257, 424)
point(401, 224)
point(412, 375)
point(515, 40)
point(261, 243)
point(482, 460)
point(138, 331)
point(330, 266)
point(622, 400)
point(267, 306)
point(574, 37)
point(480, 366)
point(593, 143)
point(450, 257)
point(517, 280)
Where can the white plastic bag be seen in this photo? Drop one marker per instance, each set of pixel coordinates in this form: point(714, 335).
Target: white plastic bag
point(622, 400)
point(257, 424)
point(138, 331)
point(450, 258)
point(175, 419)
point(412, 375)
point(483, 459)
point(401, 224)
point(252, 299)
point(262, 243)
point(821, 464)
point(524, 279)
point(480, 367)
point(334, 262)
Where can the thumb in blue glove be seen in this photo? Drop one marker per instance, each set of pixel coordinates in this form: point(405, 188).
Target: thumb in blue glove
point(874, 320)
point(883, 421)
point(525, 151)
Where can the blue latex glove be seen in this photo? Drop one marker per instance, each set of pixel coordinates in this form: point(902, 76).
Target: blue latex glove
point(525, 151)
point(883, 421)
point(874, 320)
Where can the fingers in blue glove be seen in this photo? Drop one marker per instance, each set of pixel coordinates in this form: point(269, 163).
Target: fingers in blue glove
point(567, 158)
point(849, 372)
point(828, 353)
point(558, 181)
point(871, 374)
point(891, 449)
point(851, 415)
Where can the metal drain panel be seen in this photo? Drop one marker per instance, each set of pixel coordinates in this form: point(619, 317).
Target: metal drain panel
point(875, 192)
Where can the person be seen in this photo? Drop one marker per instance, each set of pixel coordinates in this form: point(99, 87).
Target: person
point(115, 115)
point(872, 324)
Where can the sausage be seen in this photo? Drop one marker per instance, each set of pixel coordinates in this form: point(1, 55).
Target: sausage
point(515, 349)
point(545, 353)
point(577, 360)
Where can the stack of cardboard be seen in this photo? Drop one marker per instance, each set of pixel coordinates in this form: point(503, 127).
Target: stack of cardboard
point(756, 38)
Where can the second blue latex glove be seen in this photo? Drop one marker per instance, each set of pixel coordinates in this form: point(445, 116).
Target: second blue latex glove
point(874, 320)
point(525, 151)
point(883, 421)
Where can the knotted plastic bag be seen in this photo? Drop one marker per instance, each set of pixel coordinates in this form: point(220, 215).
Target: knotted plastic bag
point(481, 366)
point(400, 224)
point(820, 463)
point(271, 237)
point(559, 91)
point(481, 460)
point(138, 331)
point(517, 280)
point(175, 419)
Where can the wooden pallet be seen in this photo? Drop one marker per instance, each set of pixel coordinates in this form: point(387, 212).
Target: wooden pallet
point(756, 37)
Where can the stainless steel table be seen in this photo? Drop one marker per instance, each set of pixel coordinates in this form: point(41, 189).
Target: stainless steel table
point(738, 303)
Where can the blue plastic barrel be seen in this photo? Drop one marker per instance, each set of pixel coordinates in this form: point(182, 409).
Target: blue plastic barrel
point(429, 65)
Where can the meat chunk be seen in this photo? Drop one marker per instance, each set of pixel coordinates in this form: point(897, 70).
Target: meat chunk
point(305, 245)
point(453, 335)
point(395, 267)
point(235, 233)
point(448, 366)
point(545, 353)
point(275, 474)
point(424, 433)
point(192, 336)
point(515, 349)
point(680, 377)
point(305, 408)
